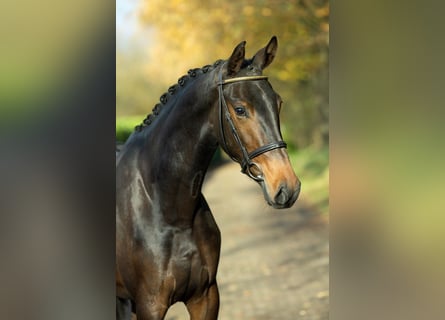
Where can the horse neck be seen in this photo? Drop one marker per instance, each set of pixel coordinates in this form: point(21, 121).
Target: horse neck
point(179, 145)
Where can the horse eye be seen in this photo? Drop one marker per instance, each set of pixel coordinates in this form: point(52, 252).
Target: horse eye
point(240, 111)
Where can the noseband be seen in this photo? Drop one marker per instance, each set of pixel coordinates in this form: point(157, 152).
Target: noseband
point(246, 163)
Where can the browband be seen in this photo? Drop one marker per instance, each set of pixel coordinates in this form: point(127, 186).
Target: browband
point(242, 79)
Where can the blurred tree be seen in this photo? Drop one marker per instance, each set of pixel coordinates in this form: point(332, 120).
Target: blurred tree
point(195, 32)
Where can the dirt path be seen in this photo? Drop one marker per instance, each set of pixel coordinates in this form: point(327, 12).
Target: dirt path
point(274, 263)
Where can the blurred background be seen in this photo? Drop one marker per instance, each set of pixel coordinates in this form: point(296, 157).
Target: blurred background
point(58, 63)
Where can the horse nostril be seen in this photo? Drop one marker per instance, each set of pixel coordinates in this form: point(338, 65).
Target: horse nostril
point(282, 196)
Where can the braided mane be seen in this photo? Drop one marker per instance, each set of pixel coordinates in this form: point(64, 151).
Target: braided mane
point(182, 81)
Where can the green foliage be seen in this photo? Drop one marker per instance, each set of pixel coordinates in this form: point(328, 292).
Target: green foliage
point(125, 126)
point(312, 167)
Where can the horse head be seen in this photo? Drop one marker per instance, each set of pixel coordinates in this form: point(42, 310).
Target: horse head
point(249, 124)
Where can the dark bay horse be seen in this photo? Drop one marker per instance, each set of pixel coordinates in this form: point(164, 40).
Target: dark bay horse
point(167, 241)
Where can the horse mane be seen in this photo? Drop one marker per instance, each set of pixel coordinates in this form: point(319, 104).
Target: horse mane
point(182, 81)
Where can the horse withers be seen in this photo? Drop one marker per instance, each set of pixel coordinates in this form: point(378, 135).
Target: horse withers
point(167, 241)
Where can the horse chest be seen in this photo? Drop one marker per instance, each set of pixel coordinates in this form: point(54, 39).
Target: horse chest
point(186, 268)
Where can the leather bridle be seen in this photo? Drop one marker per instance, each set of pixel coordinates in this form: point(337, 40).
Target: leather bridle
point(246, 163)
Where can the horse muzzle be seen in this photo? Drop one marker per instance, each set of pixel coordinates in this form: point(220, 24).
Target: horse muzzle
point(285, 197)
point(281, 187)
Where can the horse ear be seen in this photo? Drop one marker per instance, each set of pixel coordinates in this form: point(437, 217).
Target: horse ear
point(265, 56)
point(236, 59)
